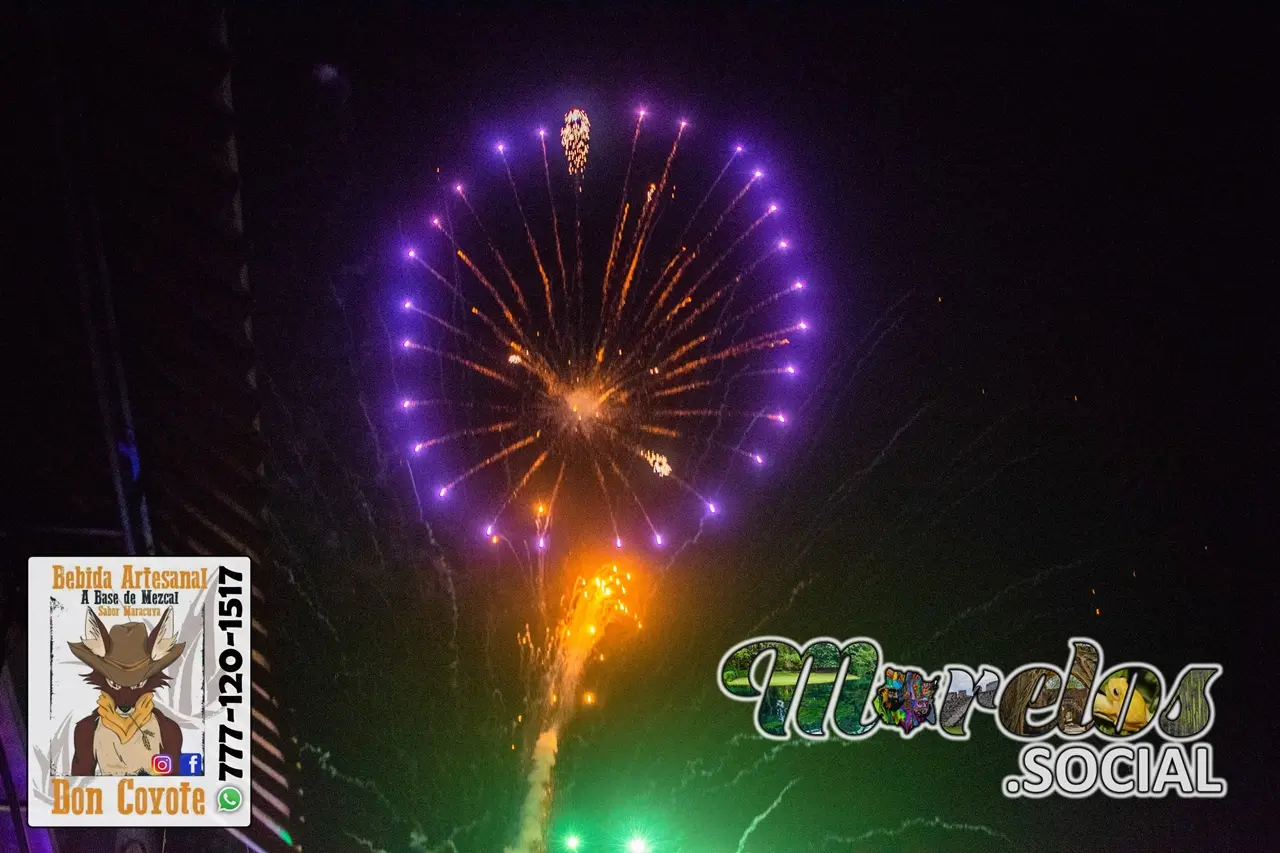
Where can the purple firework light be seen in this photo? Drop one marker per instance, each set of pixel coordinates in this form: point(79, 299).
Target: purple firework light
point(636, 371)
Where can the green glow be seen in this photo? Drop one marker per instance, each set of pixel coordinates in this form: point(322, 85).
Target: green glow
point(637, 845)
point(572, 842)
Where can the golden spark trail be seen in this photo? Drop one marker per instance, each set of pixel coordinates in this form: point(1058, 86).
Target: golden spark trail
point(465, 362)
point(496, 457)
point(686, 387)
point(663, 327)
point(601, 341)
point(671, 286)
point(524, 481)
point(768, 340)
point(555, 226)
point(528, 233)
point(528, 359)
point(671, 264)
point(620, 219)
point(645, 226)
point(464, 433)
point(555, 491)
point(488, 285)
point(707, 413)
point(668, 330)
point(665, 432)
point(712, 300)
point(497, 254)
point(750, 229)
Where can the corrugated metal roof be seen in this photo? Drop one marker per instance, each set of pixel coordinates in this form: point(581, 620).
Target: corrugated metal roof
point(151, 192)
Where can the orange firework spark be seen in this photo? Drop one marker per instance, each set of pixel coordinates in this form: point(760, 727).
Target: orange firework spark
point(592, 605)
point(625, 381)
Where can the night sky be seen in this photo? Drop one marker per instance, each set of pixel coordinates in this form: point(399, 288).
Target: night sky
point(1033, 411)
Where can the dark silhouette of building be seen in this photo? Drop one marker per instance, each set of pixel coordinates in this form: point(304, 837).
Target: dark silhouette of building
point(137, 413)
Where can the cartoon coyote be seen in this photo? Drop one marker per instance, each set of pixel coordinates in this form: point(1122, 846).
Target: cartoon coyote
point(123, 733)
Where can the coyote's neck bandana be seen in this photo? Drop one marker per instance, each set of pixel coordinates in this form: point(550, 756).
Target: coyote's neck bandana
point(124, 725)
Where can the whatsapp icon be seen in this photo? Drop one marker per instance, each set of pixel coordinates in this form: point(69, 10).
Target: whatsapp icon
point(229, 799)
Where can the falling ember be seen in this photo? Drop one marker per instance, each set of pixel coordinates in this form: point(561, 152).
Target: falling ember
point(658, 462)
point(574, 138)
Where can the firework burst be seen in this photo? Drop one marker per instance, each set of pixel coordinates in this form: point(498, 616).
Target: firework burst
point(593, 604)
point(631, 372)
point(574, 138)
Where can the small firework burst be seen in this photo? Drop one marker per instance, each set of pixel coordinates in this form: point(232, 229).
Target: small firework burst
point(575, 137)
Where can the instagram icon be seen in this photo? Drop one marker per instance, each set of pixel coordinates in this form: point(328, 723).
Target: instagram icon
point(161, 765)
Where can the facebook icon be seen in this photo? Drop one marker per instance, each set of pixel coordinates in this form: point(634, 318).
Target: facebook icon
point(191, 764)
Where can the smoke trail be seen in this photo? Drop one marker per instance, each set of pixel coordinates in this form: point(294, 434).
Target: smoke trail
point(537, 803)
point(322, 757)
point(1021, 583)
point(593, 605)
point(760, 818)
point(929, 822)
point(365, 843)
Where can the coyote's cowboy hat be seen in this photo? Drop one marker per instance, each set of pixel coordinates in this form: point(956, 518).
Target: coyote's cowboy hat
point(128, 654)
